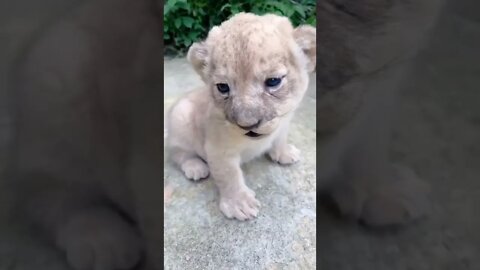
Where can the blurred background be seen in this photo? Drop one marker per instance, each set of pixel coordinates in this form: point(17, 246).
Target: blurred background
point(438, 135)
point(187, 21)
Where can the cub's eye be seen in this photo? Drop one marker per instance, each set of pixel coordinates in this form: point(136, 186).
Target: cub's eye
point(272, 82)
point(223, 88)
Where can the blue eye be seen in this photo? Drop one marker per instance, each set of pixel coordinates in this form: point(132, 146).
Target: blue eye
point(271, 82)
point(223, 88)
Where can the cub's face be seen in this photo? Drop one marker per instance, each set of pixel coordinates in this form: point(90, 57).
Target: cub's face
point(256, 68)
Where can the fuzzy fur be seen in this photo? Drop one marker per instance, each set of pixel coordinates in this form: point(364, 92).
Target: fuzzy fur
point(84, 96)
point(364, 52)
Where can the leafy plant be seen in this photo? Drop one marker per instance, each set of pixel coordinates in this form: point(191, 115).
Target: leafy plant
point(187, 21)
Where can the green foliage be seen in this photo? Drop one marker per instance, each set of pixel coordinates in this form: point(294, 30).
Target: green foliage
point(187, 21)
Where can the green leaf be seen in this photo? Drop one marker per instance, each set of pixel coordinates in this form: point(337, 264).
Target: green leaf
point(300, 10)
point(201, 4)
point(170, 6)
point(198, 26)
point(279, 6)
point(256, 10)
point(193, 36)
point(187, 21)
point(312, 21)
point(235, 10)
point(278, 12)
point(178, 22)
point(184, 6)
point(187, 42)
point(289, 12)
point(170, 3)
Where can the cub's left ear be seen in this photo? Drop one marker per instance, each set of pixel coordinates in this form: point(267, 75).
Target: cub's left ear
point(306, 37)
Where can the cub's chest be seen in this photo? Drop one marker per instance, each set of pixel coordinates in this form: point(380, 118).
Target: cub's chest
point(256, 147)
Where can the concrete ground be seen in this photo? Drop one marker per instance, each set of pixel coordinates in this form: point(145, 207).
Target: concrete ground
point(437, 134)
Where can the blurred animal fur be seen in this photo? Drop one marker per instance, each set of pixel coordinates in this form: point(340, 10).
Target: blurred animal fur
point(364, 49)
point(86, 109)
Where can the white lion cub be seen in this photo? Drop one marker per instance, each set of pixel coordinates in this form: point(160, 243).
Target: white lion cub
point(255, 70)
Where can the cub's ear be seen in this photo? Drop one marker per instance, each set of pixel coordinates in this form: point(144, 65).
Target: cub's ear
point(306, 38)
point(197, 55)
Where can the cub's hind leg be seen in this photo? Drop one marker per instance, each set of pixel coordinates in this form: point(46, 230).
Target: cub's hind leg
point(191, 164)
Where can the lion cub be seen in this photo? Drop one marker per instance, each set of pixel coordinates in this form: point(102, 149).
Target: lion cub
point(255, 70)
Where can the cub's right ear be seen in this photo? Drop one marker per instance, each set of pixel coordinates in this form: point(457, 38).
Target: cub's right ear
point(198, 55)
point(306, 38)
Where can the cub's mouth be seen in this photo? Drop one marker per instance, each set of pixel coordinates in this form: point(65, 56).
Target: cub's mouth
point(252, 134)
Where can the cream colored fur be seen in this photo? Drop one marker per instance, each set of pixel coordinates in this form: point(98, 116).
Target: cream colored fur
point(205, 136)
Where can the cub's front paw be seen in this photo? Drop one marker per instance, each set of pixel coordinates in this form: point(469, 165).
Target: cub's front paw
point(395, 201)
point(405, 200)
point(286, 155)
point(241, 204)
point(99, 239)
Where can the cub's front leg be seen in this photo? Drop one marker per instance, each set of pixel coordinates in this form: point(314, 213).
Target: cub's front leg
point(236, 199)
point(282, 152)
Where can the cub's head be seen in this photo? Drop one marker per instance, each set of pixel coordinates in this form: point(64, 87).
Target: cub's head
point(256, 68)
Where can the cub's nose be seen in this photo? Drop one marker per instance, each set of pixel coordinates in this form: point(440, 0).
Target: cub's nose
point(249, 127)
